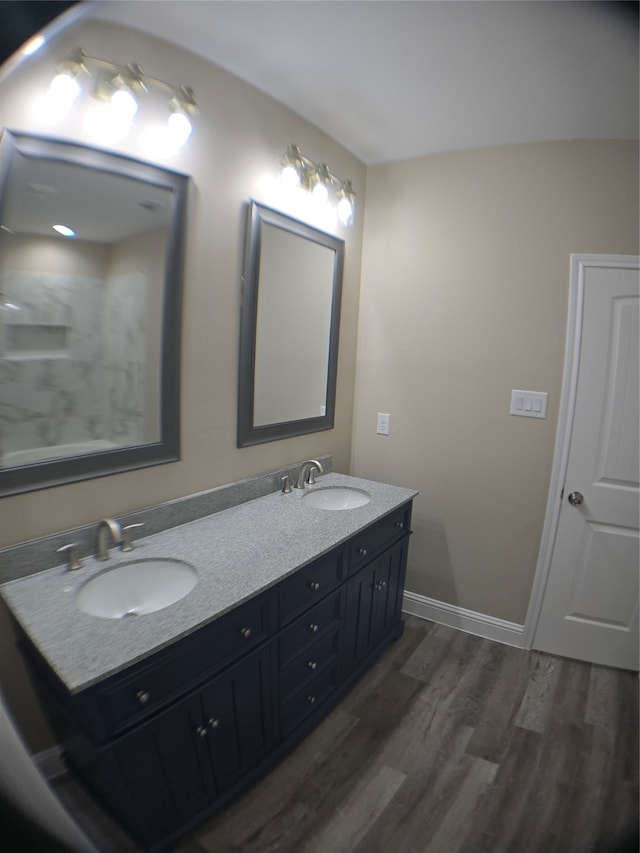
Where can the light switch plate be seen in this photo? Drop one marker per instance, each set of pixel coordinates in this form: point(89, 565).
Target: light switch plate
point(529, 404)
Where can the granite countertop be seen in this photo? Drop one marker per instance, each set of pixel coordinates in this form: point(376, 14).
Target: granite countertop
point(238, 553)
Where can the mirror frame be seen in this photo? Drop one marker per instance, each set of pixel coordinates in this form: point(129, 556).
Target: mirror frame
point(63, 470)
point(248, 433)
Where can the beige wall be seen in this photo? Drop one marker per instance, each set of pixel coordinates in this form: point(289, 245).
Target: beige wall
point(232, 156)
point(464, 293)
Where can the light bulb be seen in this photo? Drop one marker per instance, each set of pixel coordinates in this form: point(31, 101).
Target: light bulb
point(123, 105)
point(63, 90)
point(345, 211)
point(179, 128)
point(320, 193)
point(290, 177)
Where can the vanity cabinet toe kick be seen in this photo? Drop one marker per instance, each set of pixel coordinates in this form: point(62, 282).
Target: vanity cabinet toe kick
point(170, 741)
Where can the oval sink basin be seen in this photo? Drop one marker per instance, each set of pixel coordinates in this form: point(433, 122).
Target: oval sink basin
point(141, 586)
point(336, 497)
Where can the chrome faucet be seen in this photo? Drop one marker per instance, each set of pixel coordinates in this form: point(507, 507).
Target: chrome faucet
point(107, 525)
point(306, 473)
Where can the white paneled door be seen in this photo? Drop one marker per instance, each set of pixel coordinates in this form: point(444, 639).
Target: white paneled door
point(589, 608)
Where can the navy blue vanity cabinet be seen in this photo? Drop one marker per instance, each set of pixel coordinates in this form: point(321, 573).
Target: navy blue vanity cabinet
point(374, 592)
point(172, 739)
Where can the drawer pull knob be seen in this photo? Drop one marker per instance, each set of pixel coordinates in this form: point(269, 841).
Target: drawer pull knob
point(246, 633)
point(202, 731)
point(311, 699)
point(312, 664)
point(314, 585)
point(399, 524)
point(313, 628)
point(143, 697)
point(213, 722)
point(362, 551)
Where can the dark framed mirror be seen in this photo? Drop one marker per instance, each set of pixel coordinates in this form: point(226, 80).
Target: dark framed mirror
point(91, 267)
point(289, 329)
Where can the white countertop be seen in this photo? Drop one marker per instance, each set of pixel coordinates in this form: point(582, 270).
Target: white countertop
point(237, 553)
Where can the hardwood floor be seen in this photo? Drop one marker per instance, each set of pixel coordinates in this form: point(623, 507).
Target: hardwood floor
point(450, 744)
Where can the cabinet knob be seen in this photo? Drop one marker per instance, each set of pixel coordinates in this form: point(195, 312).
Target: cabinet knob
point(143, 696)
point(399, 524)
point(313, 628)
point(246, 633)
point(312, 664)
point(314, 586)
point(213, 722)
point(202, 731)
point(311, 699)
point(362, 551)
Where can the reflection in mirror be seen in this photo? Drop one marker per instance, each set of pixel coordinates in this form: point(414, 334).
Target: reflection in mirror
point(91, 249)
point(289, 328)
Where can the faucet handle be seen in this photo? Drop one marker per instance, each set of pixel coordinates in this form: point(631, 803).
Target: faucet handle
point(311, 477)
point(286, 485)
point(71, 552)
point(126, 544)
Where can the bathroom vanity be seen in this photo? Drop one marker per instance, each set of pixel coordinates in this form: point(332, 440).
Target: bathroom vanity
point(169, 716)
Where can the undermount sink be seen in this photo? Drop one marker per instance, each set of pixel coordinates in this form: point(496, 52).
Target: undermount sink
point(136, 587)
point(336, 497)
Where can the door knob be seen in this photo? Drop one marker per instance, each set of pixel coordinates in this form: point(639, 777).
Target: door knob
point(575, 498)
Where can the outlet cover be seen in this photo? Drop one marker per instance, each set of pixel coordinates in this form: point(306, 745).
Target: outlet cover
point(384, 423)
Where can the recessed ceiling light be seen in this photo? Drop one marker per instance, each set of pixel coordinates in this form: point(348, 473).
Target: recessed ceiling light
point(66, 232)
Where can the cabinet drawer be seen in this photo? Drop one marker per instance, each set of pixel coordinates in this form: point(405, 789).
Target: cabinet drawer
point(307, 628)
point(148, 687)
point(317, 657)
point(371, 541)
point(297, 709)
point(309, 585)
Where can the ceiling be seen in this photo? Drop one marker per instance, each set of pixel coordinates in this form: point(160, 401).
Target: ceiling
point(390, 79)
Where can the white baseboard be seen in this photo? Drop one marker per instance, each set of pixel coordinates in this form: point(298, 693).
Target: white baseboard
point(509, 633)
point(50, 764)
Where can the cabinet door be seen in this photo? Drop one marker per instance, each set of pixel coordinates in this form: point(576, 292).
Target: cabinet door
point(374, 603)
point(236, 715)
point(164, 774)
point(172, 768)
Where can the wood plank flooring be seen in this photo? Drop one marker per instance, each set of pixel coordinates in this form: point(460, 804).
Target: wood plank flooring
point(450, 744)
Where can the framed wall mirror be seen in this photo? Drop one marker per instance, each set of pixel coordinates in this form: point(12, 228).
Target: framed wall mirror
point(290, 323)
point(91, 265)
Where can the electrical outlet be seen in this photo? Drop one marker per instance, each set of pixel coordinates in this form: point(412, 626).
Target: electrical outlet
point(384, 423)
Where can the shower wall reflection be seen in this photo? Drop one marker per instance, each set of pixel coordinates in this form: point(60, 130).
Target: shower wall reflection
point(76, 365)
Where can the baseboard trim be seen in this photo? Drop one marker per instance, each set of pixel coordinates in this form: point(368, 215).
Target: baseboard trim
point(489, 627)
point(50, 764)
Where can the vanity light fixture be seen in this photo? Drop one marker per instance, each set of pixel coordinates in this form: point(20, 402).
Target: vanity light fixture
point(300, 171)
point(116, 90)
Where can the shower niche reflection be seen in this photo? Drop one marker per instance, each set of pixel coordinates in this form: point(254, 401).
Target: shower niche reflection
point(89, 323)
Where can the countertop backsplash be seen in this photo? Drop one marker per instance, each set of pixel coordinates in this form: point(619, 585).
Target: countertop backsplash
point(36, 555)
